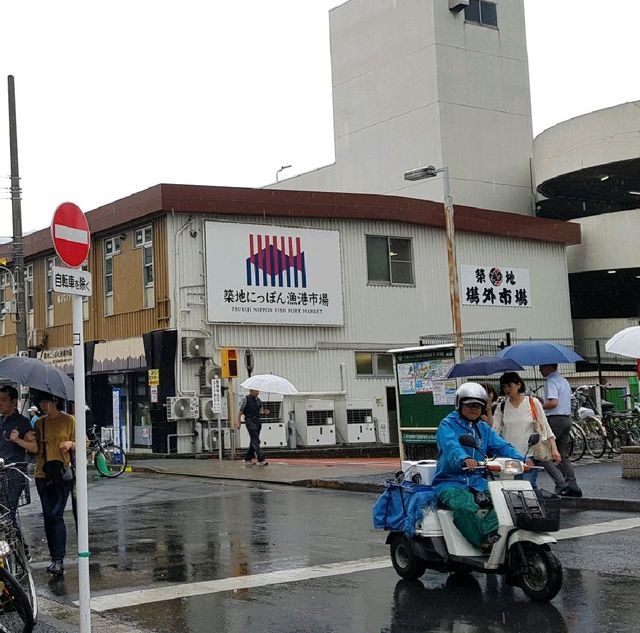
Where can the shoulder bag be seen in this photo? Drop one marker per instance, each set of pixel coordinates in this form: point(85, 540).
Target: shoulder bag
point(55, 472)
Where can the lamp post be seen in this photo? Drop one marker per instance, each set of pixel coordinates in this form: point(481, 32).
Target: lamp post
point(454, 293)
point(281, 169)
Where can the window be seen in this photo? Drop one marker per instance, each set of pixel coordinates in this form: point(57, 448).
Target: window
point(143, 238)
point(481, 12)
point(28, 290)
point(389, 260)
point(50, 263)
point(111, 248)
point(374, 364)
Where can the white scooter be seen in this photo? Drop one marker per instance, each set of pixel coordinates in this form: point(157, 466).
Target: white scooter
point(522, 551)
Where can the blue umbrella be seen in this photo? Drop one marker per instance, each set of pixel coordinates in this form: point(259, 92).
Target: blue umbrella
point(483, 366)
point(539, 353)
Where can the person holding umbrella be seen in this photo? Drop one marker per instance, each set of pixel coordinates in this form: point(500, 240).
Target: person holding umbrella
point(557, 406)
point(252, 408)
point(55, 433)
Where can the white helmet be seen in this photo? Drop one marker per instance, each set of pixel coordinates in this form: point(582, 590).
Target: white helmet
point(471, 392)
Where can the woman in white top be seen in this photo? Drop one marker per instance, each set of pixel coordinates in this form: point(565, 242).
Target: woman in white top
point(515, 421)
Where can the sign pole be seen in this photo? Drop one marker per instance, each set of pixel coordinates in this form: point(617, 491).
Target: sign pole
point(84, 586)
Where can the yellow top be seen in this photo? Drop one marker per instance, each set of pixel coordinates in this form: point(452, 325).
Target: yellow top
point(56, 431)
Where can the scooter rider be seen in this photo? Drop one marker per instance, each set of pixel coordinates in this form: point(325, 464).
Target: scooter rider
point(456, 482)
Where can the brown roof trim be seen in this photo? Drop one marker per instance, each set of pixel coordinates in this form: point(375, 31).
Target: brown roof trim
point(273, 203)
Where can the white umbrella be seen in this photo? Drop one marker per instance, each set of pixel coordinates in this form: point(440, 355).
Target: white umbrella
point(626, 342)
point(270, 383)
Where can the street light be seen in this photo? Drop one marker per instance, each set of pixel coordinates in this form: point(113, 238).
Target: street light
point(281, 169)
point(454, 294)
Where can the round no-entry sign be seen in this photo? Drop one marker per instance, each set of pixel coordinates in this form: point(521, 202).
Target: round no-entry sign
point(70, 234)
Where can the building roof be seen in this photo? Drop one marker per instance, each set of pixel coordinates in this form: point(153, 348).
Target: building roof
point(274, 203)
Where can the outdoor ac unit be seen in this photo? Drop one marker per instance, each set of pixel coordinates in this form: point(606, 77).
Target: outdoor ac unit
point(197, 347)
point(182, 408)
point(206, 409)
point(207, 373)
point(36, 339)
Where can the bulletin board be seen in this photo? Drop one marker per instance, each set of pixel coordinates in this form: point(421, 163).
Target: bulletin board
point(425, 396)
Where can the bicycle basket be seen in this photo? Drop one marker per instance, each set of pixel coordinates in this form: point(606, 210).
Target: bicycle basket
point(14, 489)
point(536, 512)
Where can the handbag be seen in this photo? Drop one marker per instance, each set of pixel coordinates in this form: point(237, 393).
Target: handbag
point(55, 472)
point(540, 451)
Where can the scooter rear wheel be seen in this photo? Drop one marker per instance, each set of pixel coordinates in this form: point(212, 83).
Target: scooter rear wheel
point(540, 573)
point(404, 561)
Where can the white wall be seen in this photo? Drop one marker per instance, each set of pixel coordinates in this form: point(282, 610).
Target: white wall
point(377, 318)
point(609, 241)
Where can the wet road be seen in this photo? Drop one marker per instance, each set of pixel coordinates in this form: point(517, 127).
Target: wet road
point(236, 557)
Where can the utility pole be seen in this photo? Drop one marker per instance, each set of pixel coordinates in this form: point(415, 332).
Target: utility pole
point(16, 210)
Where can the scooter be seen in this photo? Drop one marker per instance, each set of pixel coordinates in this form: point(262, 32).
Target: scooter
point(522, 550)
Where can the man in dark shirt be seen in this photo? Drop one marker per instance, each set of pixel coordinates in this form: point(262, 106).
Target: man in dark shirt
point(17, 438)
point(251, 407)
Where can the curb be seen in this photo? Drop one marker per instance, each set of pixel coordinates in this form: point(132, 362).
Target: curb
point(574, 503)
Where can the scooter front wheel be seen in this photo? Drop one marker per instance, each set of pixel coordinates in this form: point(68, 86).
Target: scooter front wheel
point(403, 559)
point(540, 572)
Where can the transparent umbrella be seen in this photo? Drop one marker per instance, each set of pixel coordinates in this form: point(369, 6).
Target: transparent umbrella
point(270, 383)
point(625, 343)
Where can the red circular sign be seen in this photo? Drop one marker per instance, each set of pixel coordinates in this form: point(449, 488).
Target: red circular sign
point(70, 234)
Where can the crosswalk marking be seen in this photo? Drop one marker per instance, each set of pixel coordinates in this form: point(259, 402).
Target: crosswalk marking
point(186, 590)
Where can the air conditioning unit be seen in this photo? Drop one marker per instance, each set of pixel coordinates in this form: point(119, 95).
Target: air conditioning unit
point(196, 347)
point(207, 412)
point(36, 339)
point(182, 408)
point(207, 373)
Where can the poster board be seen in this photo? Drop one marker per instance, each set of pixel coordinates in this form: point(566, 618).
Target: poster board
point(424, 394)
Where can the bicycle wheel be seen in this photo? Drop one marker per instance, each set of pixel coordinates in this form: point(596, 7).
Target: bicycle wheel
point(110, 461)
point(15, 609)
point(578, 443)
point(596, 440)
point(18, 566)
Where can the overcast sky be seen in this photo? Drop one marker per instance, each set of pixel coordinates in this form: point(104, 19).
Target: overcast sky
point(116, 99)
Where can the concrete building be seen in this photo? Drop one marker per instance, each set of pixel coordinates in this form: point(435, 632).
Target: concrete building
point(586, 170)
point(428, 82)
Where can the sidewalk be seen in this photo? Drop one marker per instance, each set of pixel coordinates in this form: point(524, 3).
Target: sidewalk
point(600, 480)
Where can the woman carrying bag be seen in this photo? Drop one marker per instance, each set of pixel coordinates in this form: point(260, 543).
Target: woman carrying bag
point(519, 417)
point(55, 432)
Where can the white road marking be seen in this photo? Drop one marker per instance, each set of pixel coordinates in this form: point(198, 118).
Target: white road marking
point(598, 528)
point(160, 594)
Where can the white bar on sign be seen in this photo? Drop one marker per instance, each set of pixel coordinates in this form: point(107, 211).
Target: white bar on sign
point(71, 235)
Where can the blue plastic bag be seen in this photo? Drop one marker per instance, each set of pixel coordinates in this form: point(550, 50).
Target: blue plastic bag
point(391, 509)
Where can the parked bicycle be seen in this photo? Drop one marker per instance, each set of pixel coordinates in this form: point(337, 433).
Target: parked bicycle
point(18, 601)
point(108, 458)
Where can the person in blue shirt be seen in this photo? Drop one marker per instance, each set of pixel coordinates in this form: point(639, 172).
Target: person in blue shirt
point(456, 479)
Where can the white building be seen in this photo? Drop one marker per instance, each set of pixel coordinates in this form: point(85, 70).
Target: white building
point(416, 83)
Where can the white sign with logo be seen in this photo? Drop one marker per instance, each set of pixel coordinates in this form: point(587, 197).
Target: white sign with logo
point(495, 286)
point(273, 274)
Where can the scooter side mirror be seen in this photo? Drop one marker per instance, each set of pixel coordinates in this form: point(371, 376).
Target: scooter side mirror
point(468, 440)
point(534, 438)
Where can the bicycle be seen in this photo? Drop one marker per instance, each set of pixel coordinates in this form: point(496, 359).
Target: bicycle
point(18, 600)
point(108, 458)
point(584, 415)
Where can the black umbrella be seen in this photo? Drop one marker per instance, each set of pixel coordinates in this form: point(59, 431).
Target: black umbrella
point(483, 366)
point(36, 374)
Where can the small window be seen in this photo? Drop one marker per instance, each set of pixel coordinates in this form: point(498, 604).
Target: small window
point(389, 260)
point(372, 364)
point(50, 263)
point(482, 12)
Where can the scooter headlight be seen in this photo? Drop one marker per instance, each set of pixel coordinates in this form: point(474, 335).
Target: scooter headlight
point(513, 467)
